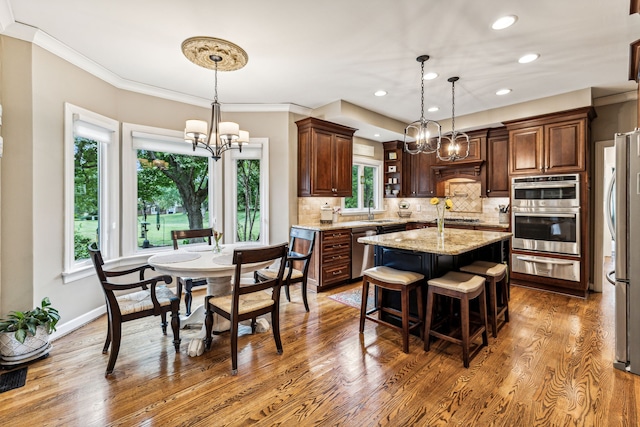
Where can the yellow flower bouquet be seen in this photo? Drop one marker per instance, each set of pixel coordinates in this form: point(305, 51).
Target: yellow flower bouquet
point(441, 207)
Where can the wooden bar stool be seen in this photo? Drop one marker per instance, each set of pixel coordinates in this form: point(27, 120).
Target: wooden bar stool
point(393, 280)
point(464, 287)
point(494, 274)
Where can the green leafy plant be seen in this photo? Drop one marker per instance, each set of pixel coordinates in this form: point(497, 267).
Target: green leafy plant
point(26, 322)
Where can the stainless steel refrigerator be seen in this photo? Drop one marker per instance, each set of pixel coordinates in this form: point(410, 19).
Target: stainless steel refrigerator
point(627, 251)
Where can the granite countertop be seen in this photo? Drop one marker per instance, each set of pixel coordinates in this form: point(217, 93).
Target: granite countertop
point(386, 221)
point(454, 242)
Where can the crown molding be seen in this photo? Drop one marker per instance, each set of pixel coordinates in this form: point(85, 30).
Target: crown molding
point(45, 41)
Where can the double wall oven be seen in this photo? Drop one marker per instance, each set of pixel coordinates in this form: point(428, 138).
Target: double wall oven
point(545, 221)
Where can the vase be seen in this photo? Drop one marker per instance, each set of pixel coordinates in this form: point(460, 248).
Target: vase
point(216, 248)
point(440, 223)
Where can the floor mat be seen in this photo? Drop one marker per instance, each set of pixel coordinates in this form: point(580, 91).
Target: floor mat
point(13, 379)
point(353, 297)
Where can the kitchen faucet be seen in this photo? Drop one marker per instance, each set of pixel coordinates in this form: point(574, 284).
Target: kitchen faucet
point(370, 215)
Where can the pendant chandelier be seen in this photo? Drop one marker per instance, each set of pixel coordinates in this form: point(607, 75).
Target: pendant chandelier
point(216, 136)
point(453, 143)
point(422, 136)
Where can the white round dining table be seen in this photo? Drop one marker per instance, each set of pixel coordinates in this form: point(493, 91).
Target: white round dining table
point(199, 261)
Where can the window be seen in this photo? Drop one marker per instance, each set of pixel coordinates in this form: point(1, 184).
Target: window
point(367, 186)
point(166, 187)
point(246, 208)
point(91, 182)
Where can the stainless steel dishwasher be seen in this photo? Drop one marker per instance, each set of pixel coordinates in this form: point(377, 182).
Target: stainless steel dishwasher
point(361, 254)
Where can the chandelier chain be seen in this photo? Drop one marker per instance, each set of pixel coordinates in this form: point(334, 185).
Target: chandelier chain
point(453, 107)
point(422, 92)
point(215, 85)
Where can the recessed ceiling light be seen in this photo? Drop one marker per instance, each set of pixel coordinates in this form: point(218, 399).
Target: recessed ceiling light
point(380, 93)
point(504, 22)
point(377, 135)
point(503, 91)
point(430, 76)
point(433, 109)
point(529, 57)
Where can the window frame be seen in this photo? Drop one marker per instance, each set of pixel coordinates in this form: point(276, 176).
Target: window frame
point(107, 130)
point(378, 189)
point(135, 137)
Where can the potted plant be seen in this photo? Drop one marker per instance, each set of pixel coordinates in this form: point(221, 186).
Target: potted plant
point(26, 333)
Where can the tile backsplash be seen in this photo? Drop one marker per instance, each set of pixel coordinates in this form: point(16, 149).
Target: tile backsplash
point(464, 195)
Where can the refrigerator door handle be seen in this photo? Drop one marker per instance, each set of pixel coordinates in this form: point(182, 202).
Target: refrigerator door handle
point(609, 209)
point(611, 277)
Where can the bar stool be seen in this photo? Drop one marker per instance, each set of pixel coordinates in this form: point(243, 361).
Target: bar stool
point(494, 274)
point(464, 287)
point(393, 280)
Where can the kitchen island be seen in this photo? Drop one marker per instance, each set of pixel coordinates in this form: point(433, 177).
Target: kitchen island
point(425, 252)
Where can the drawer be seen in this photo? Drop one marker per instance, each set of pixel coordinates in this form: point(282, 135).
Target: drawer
point(336, 244)
point(337, 272)
point(557, 268)
point(335, 257)
point(336, 236)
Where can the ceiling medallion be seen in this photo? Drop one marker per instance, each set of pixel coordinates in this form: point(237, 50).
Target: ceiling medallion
point(208, 52)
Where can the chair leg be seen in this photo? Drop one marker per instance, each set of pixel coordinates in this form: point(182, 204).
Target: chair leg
point(234, 346)
point(107, 341)
point(363, 303)
point(404, 304)
point(493, 304)
point(427, 320)
point(304, 294)
point(163, 323)
point(464, 320)
point(275, 325)
point(420, 308)
point(483, 318)
point(116, 333)
point(175, 326)
point(286, 290)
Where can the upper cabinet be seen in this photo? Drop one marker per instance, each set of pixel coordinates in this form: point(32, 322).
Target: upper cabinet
point(553, 143)
point(498, 163)
point(325, 158)
point(418, 175)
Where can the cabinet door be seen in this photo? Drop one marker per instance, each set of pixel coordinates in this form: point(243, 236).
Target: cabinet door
point(498, 166)
point(526, 150)
point(420, 178)
point(321, 166)
point(342, 165)
point(564, 147)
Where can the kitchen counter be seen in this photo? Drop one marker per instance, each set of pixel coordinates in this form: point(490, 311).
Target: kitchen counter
point(454, 242)
point(386, 221)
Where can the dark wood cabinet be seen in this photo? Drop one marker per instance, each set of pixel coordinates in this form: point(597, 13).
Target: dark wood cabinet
point(325, 158)
point(553, 143)
point(498, 163)
point(418, 176)
point(331, 260)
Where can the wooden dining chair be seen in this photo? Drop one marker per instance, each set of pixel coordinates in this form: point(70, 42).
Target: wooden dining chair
point(301, 245)
point(151, 300)
point(249, 299)
point(197, 235)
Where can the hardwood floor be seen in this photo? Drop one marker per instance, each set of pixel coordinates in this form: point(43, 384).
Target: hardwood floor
point(550, 366)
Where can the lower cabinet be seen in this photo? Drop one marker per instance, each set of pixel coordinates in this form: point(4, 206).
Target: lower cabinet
point(331, 261)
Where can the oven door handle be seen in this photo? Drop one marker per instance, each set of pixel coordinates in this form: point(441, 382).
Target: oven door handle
point(572, 184)
point(540, 261)
point(546, 214)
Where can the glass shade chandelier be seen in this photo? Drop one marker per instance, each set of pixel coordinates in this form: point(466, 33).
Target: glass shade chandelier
point(422, 136)
point(453, 143)
point(216, 136)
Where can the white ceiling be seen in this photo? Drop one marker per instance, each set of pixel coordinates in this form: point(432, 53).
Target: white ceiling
point(314, 53)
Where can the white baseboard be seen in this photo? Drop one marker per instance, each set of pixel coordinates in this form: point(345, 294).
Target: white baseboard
point(73, 324)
